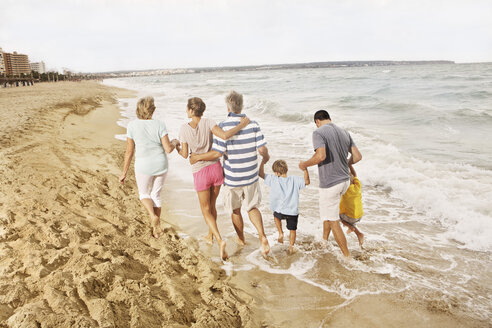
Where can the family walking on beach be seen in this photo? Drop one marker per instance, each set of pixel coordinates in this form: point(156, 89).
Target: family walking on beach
point(238, 141)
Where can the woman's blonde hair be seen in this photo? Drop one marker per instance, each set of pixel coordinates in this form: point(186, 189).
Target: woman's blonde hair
point(197, 106)
point(145, 108)
point(280, 167)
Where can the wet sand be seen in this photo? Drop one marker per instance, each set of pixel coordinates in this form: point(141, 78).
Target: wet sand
point(283, 300)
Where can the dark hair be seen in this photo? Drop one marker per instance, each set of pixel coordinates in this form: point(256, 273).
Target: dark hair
point(321, 115)
point(197, 106)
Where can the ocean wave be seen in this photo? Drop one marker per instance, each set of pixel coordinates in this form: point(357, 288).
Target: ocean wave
point(447, 193)
point(472, 95)
point(273, 109)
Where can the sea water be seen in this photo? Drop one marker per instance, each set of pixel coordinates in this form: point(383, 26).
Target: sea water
point(426, 172)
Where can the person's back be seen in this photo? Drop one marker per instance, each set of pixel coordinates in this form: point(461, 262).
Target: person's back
point(284, 193)
point(199, 140)
point(284, 197)
point(337, 141)
point(150, 157)
point(332, 146)
point(240, 151)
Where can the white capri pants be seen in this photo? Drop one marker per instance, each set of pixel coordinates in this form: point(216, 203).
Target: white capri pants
point(150, 186)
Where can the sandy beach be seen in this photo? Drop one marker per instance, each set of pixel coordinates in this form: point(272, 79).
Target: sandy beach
point(76, 248)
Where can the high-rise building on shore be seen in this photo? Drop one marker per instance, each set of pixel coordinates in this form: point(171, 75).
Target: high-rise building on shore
point(16, 64)
point(38, 67)
point(2, 63)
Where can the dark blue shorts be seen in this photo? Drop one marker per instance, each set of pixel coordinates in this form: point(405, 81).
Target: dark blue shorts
point(291, 220)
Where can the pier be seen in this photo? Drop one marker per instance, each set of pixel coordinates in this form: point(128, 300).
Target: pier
point(15, 81)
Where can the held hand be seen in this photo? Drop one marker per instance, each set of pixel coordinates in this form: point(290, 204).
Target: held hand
point(302, 165)
point(175, 142)
point(122, 178)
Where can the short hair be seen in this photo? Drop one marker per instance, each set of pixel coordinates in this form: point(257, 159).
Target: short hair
point(145, 108)
point(321, 115)
point(280, 166)
point(234, 102)
point(197, 106)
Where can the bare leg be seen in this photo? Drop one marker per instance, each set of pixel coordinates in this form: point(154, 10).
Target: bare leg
point(326, 230)
point(292, 240)
point(204, 197)
point(213, 209)
point(350, 227)
point(237, 221)
point(360, 236)
point(154, 219)
point(339, 236)
point(209, 239)
point(214, 193)
point(255, 217)
point(278, 223)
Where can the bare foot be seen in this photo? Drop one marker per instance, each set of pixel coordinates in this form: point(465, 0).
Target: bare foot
point(281, 238)
point(156, 227)
point(292, 250)
point(265, 247)
point(361, 239)
point(209, 239)
point(223, 254)
point(240, 242)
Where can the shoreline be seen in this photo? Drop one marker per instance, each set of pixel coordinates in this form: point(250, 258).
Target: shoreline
point(76, 246)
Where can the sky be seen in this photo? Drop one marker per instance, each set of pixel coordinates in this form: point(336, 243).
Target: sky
point(109, 35)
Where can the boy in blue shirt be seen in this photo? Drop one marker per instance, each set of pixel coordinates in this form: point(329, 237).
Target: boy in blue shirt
point(284, 197)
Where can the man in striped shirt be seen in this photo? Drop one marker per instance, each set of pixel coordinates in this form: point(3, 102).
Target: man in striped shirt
point(240, 168)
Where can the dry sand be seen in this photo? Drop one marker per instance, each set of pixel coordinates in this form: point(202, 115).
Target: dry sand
point(75, 245)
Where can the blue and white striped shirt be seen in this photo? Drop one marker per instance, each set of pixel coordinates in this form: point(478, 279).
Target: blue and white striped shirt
point(240, 151)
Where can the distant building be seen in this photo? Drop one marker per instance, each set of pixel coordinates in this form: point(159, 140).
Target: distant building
point(16, 64)
point(2, 63)
point(38, 67)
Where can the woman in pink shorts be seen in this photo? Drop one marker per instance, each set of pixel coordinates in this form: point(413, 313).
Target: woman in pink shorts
point(196, 137)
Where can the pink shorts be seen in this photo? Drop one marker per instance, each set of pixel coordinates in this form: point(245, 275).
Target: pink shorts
point(209, 176)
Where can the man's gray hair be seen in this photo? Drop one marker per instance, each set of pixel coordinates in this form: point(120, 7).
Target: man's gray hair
point(234, 102)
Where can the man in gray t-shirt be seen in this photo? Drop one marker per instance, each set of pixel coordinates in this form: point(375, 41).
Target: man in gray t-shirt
point(332, 145)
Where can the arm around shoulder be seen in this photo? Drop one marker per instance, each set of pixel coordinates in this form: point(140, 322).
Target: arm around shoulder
point(218, 132)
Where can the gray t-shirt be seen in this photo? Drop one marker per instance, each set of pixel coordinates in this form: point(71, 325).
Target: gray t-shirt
point(337, 142)
point(199, 140)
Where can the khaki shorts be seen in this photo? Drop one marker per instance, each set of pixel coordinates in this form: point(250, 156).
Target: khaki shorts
point(329, 201)
point(249, 196)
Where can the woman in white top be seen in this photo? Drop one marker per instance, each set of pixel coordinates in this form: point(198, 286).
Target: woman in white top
point(196, 137)
point(148, 139)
